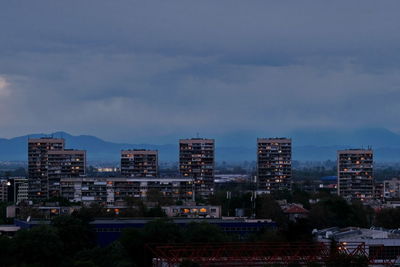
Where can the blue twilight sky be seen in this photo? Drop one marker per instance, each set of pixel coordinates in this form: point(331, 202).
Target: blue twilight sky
point(154, 71)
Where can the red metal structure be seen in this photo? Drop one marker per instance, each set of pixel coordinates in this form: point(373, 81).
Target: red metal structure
point(261, 253)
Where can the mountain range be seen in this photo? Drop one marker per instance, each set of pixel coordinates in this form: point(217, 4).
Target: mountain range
point(308, 145)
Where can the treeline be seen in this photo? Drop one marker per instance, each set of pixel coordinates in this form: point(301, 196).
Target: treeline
point(68, 241)
point(325, 210)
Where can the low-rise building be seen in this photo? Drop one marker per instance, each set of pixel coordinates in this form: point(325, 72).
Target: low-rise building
point(295, 211)
point(4, 184)
point(18, 189)
point(193, 211)
point(113, 191)
point(378, 191)
point(380, 244)
point(14, 189)
point(391, 189)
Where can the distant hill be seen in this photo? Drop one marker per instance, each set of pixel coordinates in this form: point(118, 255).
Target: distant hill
point(97, 149)
point(312, 145)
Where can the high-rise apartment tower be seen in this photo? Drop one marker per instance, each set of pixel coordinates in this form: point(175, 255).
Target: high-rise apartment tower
point(48, 161)
point(274, 164)
point(355, 174)
point(196, 160)
point(66, 163)
point(139, 163)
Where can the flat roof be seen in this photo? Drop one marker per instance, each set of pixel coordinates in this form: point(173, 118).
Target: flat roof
point(174, 220)
point(46, 140)
point(196, 140)
point(130, 179)
point(66, 151)
point(355, 151)
point(275, 140)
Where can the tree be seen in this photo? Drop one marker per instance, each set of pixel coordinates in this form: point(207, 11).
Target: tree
point(155, 212)
point(335, 211)
point(203, 232)
point(7, 251)
point(154, 195)
point(388, 218)
point(87, 214)
point(74, 234)
point(157, 231)
point(268, 208)
point(39, 246)
point(113, 255)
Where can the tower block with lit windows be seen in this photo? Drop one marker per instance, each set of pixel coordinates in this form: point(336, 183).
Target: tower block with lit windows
point(139, 163)
point(196, 160)
point(48, 162)
point(355, 174)
point(274, 164)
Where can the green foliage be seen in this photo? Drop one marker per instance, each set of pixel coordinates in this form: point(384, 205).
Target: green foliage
point(165, 231)
point(162, 231)
point(112, 256)
point(155, 212)
point(66, 242)
point(268, 208)
point(133, 241)
point(74, 234)
point(297, 231)
point(154, 195)
point(87, 214)
point(239, 198)
point(40, 245)
point(203, 232)
point(7, 251)
point(388, 218)
point(268, 235)
point(335, 211)
point(157, 231)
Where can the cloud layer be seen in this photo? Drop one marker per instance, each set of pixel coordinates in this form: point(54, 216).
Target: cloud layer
point(153, 71)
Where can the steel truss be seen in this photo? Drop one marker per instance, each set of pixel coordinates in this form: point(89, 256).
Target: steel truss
point(262, 253)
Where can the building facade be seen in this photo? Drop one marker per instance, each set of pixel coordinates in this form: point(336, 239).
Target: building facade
point(48, 161)
point(274, 164)
point(17, 189)
point(139, 163)
point(38, 149)
point(391, 189)
point(193, 211)
point(196, 160)
point(113, 191)
point(355, 174)
point(4, 184)
point(66, 163)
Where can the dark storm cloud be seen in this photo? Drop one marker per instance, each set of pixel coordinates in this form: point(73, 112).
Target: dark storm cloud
point(145, 71)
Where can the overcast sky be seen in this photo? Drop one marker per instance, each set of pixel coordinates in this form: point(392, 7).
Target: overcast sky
point(154, 71)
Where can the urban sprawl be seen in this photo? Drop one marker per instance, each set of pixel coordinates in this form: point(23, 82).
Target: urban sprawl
point(58, 184)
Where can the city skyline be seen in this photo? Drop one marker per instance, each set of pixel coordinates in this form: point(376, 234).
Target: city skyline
point(199, 133)
point(208, 67)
